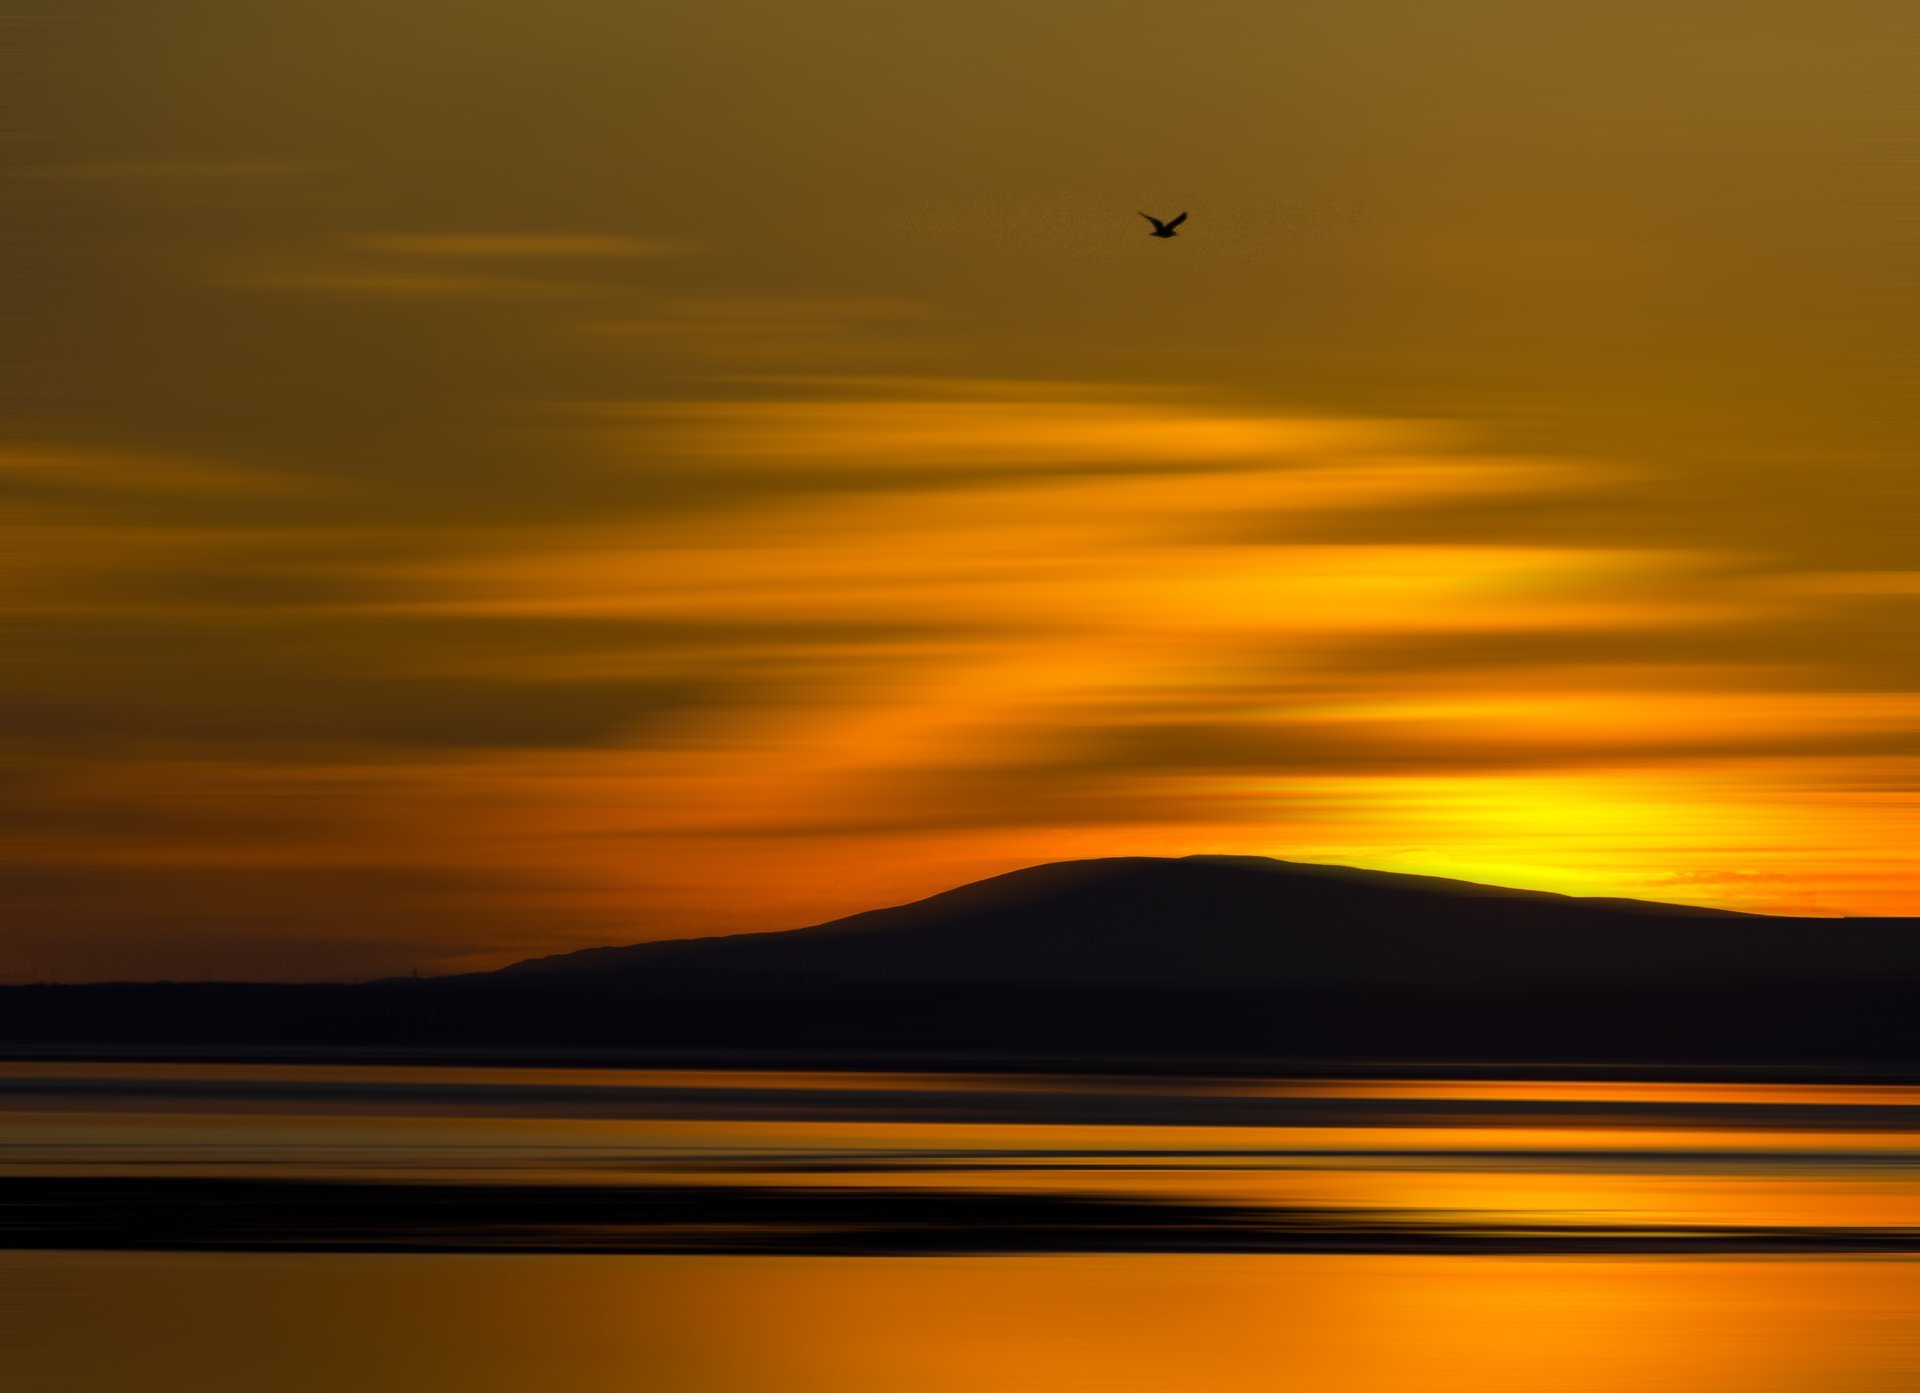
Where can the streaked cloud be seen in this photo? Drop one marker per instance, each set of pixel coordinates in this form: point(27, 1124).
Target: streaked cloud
point(1006, 433)
point(933, 627)
point(403, 285)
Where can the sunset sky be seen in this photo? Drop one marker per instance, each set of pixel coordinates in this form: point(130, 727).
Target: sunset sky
point(493, 478)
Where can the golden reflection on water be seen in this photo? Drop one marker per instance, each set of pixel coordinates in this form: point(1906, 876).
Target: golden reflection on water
point(1593, 1091)
point(1584, 1155)
point(1642, 1154)
point(1305, 1324)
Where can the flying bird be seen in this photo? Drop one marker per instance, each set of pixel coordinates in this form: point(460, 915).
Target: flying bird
point(1163, 229)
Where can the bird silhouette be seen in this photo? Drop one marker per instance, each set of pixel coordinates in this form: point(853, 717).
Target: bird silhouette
point(1163, 229)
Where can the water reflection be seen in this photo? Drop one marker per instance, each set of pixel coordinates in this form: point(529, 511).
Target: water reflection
point(1461, 1156)
point(196, 1323)
point(709, 1232)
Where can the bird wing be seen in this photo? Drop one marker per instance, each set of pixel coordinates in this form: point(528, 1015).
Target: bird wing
point(1158, 226)
point(1177, 221)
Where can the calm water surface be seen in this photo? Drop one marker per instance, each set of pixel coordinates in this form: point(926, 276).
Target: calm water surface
point(1812, 1187)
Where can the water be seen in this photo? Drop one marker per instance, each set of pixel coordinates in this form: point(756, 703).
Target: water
point(1486, 1235)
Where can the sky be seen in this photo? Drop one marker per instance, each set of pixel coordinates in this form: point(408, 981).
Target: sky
point(486, 479)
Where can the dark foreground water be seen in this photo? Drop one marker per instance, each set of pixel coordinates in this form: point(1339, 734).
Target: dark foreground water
point(287, 1227)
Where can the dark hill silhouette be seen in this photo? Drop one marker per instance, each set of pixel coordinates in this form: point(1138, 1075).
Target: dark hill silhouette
point(1188, 962)
point(1206, 922)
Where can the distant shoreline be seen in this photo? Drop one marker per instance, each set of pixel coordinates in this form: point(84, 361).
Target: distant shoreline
point(1862, 1073)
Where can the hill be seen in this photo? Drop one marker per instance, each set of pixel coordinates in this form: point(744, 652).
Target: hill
point(1168, 961)
point(1217, 921)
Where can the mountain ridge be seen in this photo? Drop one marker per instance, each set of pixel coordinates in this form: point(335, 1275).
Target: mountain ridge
point(1235, 921)
point(1438, 884)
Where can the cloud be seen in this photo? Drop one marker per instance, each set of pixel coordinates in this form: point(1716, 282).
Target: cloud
point(916, 630)
point(1083, 634)
point(1009, 433)
point(404, 285)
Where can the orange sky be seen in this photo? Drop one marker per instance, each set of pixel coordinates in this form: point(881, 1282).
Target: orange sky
point(591, 473)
